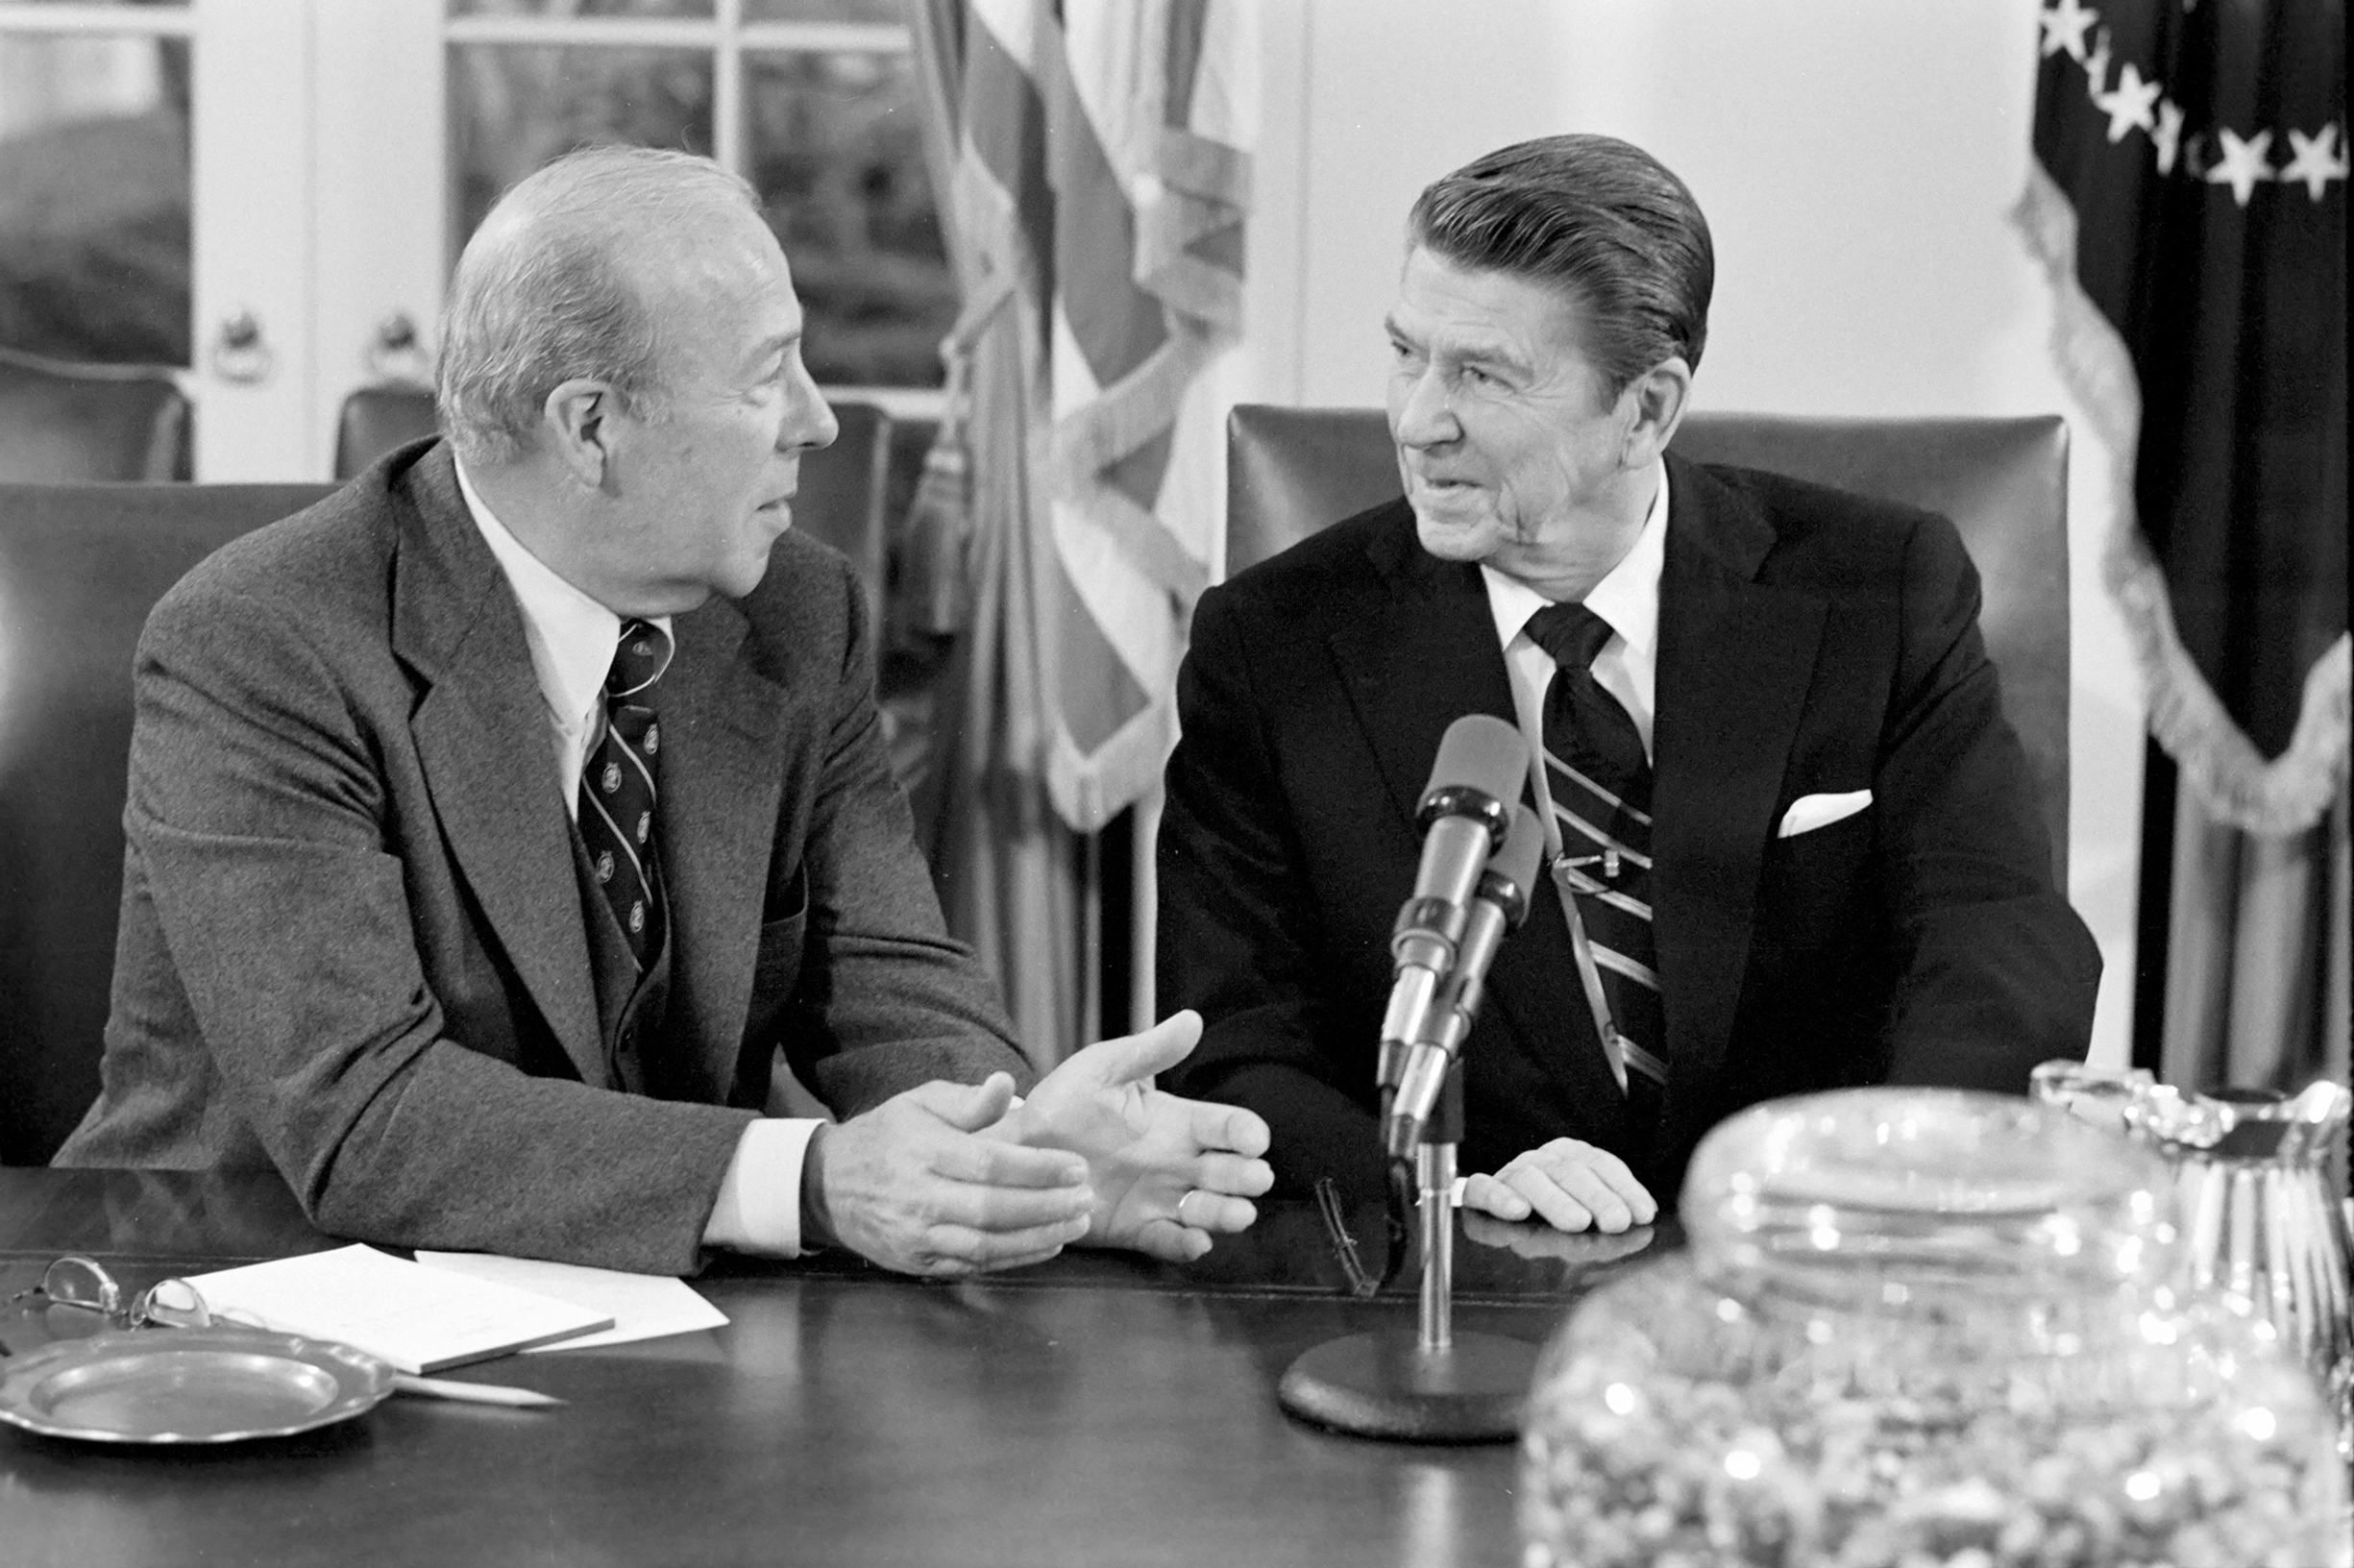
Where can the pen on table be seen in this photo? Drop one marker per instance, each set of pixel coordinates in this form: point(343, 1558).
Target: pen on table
point(472, 1393)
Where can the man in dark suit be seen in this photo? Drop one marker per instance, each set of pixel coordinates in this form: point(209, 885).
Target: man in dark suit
point(493, 822)
point(1791, 844)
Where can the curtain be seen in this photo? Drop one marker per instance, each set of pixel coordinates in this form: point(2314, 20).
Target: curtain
point(1092, 162)
point(2188, 202)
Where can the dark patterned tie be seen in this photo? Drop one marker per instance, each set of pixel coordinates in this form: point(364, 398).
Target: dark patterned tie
point(1601, 784)
point(616, 790)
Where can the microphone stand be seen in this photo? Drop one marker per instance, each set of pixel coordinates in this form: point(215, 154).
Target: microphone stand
point(1439, 1387)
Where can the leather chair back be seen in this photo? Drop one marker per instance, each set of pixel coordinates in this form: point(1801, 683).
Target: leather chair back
point(376, 419)
point(80, 567)
point(62, 423)
point(2003, 481)
point(841, 500)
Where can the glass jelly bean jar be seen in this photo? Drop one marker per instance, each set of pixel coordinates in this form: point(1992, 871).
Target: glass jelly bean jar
point(1918, 1327)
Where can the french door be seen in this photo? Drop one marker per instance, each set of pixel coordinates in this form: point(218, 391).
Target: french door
point(269, 193)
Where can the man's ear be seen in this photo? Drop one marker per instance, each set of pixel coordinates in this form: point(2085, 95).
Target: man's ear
point(576, 423)
point(1658, 398)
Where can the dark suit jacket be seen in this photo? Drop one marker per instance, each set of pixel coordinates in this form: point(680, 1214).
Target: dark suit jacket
point(353, 945)
point(1811, 641)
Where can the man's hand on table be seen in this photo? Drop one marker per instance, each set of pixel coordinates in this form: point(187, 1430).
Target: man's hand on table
point(912, 1185)
point(1166, 1173)
point(1568, 1185)
point(1586, 1249)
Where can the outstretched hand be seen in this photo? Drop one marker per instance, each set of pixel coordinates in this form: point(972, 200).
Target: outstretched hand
point(1167, 1172)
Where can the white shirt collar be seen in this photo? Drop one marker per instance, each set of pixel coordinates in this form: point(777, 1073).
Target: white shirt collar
point(571, 636)
point(1628, 596)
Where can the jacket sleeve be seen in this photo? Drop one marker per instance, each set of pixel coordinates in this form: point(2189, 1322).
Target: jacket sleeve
point(883, 999)
point(1240, 936)
point(1994, 970)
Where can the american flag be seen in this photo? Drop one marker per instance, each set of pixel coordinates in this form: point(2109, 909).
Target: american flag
point(1099, 176)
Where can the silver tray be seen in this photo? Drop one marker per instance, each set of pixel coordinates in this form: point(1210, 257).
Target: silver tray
point(189, 1385)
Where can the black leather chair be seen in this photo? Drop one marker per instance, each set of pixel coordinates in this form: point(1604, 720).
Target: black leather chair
point(80, 567)
point(61, 422)
point(376, 419)
point(2003, 481)
point(842, 496)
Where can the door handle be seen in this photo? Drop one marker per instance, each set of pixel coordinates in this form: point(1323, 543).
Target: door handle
point(396, 352)
point(240, 353)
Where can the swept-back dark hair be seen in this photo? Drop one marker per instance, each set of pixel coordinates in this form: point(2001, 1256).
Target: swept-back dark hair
point(1598, 218)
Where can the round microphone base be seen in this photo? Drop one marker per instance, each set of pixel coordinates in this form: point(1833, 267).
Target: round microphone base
point(1387, 1386)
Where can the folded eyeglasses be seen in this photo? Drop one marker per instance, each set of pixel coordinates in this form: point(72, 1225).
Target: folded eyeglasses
point(85, 1284)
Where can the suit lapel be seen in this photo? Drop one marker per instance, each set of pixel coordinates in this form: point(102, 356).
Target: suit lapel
point(481, 738)
point(1736, 658)
point(1404, 668)
point(1409, 678)
point(722, 778)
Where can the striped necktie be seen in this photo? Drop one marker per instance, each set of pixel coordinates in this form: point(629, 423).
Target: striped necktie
point(616, 790)
point(1601, 783)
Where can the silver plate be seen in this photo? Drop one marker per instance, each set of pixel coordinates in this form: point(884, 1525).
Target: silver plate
point(189, 1385)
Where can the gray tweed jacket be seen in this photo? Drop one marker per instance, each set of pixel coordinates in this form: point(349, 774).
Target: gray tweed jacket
point(352, 943)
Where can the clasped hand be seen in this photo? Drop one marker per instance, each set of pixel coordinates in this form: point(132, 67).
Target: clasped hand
point(956, 1179)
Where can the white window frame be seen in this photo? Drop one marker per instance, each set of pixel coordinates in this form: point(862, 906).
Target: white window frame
point(319, 136)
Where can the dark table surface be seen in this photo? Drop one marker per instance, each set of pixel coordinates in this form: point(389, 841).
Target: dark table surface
point(1096, 1409)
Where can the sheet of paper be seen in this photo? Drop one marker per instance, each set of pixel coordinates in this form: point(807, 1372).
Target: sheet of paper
point(641, 1306)
point(420, 1319)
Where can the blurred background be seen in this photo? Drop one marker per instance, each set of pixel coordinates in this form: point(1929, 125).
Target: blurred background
point(259, 200)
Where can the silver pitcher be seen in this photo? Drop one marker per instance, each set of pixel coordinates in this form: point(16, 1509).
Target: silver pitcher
point(2261, 1229)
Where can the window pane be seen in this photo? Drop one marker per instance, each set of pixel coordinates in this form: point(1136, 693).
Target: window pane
point(514, 108)
point(580, 7)
point(837, 153)
point(94, 197)
point(826, 10)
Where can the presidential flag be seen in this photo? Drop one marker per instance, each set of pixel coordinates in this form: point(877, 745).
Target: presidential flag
point(2188, 199)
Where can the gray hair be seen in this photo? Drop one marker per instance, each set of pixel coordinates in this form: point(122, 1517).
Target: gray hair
point(545, 291)
point(1599, 219)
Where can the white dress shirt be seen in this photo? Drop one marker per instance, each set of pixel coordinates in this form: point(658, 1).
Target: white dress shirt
point(1627, 596)
point(571, 638)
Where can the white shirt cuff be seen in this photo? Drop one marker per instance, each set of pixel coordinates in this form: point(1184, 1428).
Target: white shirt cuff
point(759, 1206)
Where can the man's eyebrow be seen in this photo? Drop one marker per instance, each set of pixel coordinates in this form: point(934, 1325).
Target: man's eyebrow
point(1492, 351)
point(1482, 350)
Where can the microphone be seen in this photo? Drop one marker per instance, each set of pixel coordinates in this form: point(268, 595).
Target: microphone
point(1499, 905)
point(1465, 812)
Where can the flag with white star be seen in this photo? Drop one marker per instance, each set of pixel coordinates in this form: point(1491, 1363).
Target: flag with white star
point(2188, 199)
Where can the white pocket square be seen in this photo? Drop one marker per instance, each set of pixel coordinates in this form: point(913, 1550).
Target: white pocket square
point(1810, 812)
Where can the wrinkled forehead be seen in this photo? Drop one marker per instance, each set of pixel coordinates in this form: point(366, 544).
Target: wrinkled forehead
point(1474, 308)
point(721, 296)
point(706, 251)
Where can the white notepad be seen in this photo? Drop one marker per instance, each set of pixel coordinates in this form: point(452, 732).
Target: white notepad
point(642, 1306)
point(420, 1319)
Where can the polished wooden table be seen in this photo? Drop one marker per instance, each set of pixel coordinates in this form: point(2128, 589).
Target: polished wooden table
point(1098, 1409)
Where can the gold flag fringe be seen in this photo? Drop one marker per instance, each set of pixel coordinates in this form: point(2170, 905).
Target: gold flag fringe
point(2230, 778)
